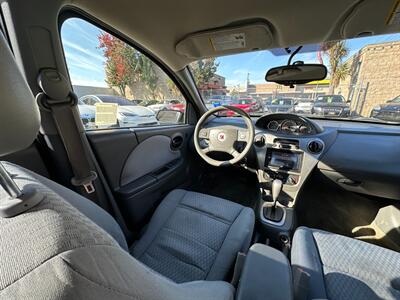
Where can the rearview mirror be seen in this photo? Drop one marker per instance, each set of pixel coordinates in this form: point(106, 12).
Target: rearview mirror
point(169, 116)
point(296, 74)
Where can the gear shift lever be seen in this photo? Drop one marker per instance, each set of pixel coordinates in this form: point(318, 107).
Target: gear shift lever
point(276, 190)
point(271, 211)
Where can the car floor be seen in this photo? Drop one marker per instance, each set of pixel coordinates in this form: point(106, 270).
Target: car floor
point(324, 205)
point(234, 184)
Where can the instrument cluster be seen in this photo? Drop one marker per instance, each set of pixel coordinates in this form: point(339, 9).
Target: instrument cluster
point(289, 126)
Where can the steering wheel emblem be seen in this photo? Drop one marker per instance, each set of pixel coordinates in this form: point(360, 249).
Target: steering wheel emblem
point(221, 137)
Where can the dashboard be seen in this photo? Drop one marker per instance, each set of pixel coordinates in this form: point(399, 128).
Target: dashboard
point(288, 124)
point(358, 156)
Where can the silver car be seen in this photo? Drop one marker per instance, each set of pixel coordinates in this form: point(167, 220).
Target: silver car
point(129, 114)
point(304, 106)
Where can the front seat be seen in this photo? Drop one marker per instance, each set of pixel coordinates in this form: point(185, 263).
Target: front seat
point(62, 246)
point(331, 266)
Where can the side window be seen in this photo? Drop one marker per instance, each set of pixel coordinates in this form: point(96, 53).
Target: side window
point(117, 85)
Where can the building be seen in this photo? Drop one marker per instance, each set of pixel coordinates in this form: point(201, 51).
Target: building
point(83, 90)
point(302, 91)
point(375, 77)
point(215, 86)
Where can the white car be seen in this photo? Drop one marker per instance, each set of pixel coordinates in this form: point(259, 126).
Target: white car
point(129, 114)
point(304, 107)
point(157, 107)
point(87, 114)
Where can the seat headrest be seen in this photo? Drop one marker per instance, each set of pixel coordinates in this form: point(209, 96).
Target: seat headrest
point(19, 113)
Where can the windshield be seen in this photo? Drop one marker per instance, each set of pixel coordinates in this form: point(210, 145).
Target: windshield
point(363, 81)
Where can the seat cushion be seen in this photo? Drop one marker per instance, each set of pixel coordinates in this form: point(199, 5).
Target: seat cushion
point(53, 251)
point(193, 236)
point(327, 265)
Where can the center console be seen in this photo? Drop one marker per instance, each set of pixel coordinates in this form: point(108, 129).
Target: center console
point(283, 161)
point(266, 275)
point(281, 169)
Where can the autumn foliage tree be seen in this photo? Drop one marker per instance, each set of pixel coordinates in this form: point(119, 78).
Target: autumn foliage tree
point(125, 66)
point(119, 70)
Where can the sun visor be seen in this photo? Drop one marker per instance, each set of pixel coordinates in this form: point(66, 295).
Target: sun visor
point(226, 41)
point(383, 17)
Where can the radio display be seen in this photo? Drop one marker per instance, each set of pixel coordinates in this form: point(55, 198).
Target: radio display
point(285, 160)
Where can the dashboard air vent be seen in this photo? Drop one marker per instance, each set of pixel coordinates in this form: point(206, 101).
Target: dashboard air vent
point(259, 140)
point(315, 146)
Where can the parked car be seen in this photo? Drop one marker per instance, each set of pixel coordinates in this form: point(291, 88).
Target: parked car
point(87, 114)
point(176, 105)
point(331, 106)
point(304, 106)
point(155, 105)
point(218, 100)
point(129, 114)
point(248, 104)
point(285, 105)
point(389, 111)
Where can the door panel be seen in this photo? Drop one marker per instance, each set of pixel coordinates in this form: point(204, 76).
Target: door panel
point(142, 165)
point(144, 160)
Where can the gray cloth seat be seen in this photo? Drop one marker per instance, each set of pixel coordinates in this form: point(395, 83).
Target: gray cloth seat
point(190, 237)
point(54, 251)
point(331, 266)
point(193, 236)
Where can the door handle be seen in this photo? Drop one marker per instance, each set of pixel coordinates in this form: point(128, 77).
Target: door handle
point(176, 141)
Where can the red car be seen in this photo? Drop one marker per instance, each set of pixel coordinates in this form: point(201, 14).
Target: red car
point(176, 105)
point(248, 104)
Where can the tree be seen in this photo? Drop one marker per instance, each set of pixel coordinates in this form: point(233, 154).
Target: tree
point(203, 70)
point(148, 75)
point(339, 70)
point(119, 65)
point(235, 91)
point(174, 90)
point(125, 66)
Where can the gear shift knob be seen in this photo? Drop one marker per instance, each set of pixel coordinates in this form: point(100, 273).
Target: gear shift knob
point(276, 189)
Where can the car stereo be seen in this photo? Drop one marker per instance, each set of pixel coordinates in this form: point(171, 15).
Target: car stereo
point(283, 160)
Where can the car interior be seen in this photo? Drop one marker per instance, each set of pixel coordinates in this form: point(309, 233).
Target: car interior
point(191, 198)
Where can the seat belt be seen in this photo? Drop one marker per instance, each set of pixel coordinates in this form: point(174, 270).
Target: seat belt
point(58, 99)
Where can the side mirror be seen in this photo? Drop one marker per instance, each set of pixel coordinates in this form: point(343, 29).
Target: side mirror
point(169, 116)
point(296, 74)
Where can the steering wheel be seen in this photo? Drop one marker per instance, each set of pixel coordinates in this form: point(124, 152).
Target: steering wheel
point(222, 138)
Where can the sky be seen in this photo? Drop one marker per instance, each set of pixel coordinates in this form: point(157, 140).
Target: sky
point(85, 60)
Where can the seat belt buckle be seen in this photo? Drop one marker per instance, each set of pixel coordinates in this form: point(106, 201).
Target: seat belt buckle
point(86, 183)
point(89, 187)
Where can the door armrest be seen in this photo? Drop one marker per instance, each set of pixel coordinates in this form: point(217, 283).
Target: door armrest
point(266, 275)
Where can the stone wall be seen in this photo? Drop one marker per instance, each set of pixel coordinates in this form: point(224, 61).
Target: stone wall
point(375, 77)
